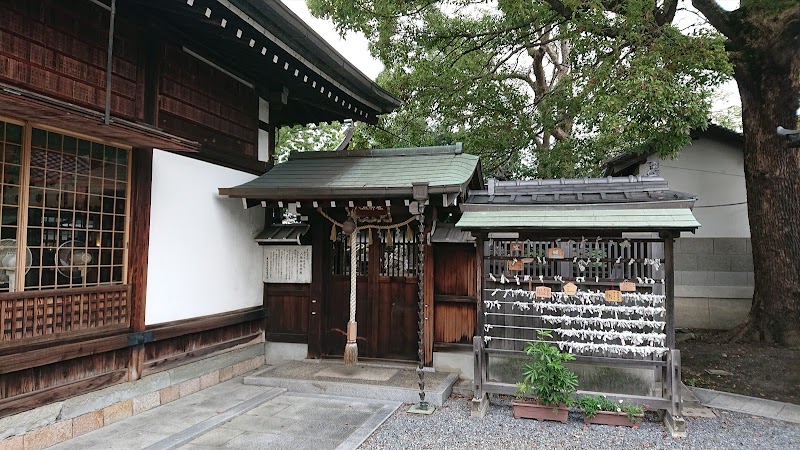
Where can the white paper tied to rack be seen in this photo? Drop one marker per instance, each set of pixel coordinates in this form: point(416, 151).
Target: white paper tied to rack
point(492, 304)
point(523, 306)
point(611, 349)
point(586, 322)
point(625, 337)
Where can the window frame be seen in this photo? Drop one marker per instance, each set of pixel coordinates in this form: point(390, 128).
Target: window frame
point(24, 202)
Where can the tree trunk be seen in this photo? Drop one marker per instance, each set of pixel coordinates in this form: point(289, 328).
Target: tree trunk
point(770, 89)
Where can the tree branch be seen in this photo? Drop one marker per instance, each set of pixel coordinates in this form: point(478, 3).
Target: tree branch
point(725, 22)
point(666, 14)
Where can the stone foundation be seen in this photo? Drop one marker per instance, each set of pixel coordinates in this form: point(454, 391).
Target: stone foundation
point(57, 422)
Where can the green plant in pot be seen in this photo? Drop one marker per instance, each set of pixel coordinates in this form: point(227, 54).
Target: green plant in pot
point(601, 410)
point(545, 378)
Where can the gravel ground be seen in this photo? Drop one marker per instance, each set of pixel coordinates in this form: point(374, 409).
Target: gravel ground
point(451, 427)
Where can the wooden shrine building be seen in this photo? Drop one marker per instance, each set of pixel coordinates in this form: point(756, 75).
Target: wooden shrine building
point(402, 194)
point(121, 269)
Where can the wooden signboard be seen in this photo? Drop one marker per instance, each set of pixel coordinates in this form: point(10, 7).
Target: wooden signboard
point(627, 286)
point(544, 292)
point(287, 264)
point(570, 288)
point(372, 214)
point(613, 296)
point(555, 253)
point(516, 246)
point(516, 264)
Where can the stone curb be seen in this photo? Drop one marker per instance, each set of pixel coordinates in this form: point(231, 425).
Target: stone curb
point(753, 406)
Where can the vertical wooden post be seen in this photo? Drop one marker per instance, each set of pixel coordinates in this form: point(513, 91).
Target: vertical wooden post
point(319, 242)
point(669, 280)
point(372, 313)
point(479, 244)
point(141, 160)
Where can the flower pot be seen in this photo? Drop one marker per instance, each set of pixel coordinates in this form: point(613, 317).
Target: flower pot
point(613, 419)
point(533, 410)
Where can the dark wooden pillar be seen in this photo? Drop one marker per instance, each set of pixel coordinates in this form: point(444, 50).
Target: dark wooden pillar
point(141, 160)
point(320, 232)
point(374, 302)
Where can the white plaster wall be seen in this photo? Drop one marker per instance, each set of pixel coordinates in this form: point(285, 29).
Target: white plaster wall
point(714, 172)
point(202, 258)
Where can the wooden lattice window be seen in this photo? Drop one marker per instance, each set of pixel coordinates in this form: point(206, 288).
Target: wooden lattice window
point(64, 203)
point(340, 254)
point(11, 146)
point(401, 257)
point(77, 204)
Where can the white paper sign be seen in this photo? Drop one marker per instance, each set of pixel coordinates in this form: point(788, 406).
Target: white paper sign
point(287, 264)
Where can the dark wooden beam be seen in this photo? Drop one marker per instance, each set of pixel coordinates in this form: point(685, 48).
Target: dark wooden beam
point(138, 247)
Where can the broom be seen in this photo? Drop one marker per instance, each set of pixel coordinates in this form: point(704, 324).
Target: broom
point(351, 348)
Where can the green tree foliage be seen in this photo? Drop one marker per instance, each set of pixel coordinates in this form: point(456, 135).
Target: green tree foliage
point(322, 137)
point(536, 92)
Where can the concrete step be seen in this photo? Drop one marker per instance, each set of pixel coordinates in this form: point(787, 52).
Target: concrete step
point(371, 381)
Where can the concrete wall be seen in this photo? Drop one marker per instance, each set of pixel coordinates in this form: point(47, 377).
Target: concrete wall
point(713, 282)
point(202, 258)
point(714, 172)
point(714, 267)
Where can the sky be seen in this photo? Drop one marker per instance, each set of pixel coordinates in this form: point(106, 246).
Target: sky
point(354, 46)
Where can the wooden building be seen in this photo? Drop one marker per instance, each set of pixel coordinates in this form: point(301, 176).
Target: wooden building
point(118, 121)
point(402, 196)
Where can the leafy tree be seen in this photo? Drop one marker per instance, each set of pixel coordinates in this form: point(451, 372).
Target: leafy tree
point(325, 136)
point(550, 87)
point(533, 93)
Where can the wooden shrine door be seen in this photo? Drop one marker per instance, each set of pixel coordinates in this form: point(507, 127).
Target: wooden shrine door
point(386, 305)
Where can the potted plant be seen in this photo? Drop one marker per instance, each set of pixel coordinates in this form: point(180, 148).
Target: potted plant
point(603, 411)
point(547, 380)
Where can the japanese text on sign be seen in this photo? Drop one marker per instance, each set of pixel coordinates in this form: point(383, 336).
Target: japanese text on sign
point(287, 264)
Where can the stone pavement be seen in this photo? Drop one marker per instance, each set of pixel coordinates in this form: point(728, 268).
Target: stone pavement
point(234, 415)
point(747, 405)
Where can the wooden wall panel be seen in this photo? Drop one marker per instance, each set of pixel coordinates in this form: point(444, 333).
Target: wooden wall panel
point(454, 269)
point(202, 103)
point(455, 323)
point(288, 306)
point(58, 48)
point(26, 389)
point(168, 353)
point(337, 313)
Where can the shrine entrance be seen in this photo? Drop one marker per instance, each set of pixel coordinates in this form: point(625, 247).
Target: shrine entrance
point(386, 294)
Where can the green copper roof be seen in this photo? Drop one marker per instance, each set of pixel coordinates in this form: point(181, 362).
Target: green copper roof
point(640, 219)
point(320, 175)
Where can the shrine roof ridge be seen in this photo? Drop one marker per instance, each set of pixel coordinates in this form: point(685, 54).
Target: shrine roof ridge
point(455, 149)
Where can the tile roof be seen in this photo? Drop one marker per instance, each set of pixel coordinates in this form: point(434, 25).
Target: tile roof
point(625, 219)
point(577, 191)
point(386, 172)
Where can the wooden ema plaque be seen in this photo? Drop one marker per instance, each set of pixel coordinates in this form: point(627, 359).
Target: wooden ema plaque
point(516, 246)
point(570, 288)
point(515, 264)
point(544, 292)
point(613, 296)
point(555, 253)
point(627, 286)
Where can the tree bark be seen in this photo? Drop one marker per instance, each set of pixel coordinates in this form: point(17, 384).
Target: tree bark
point(770, 88)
